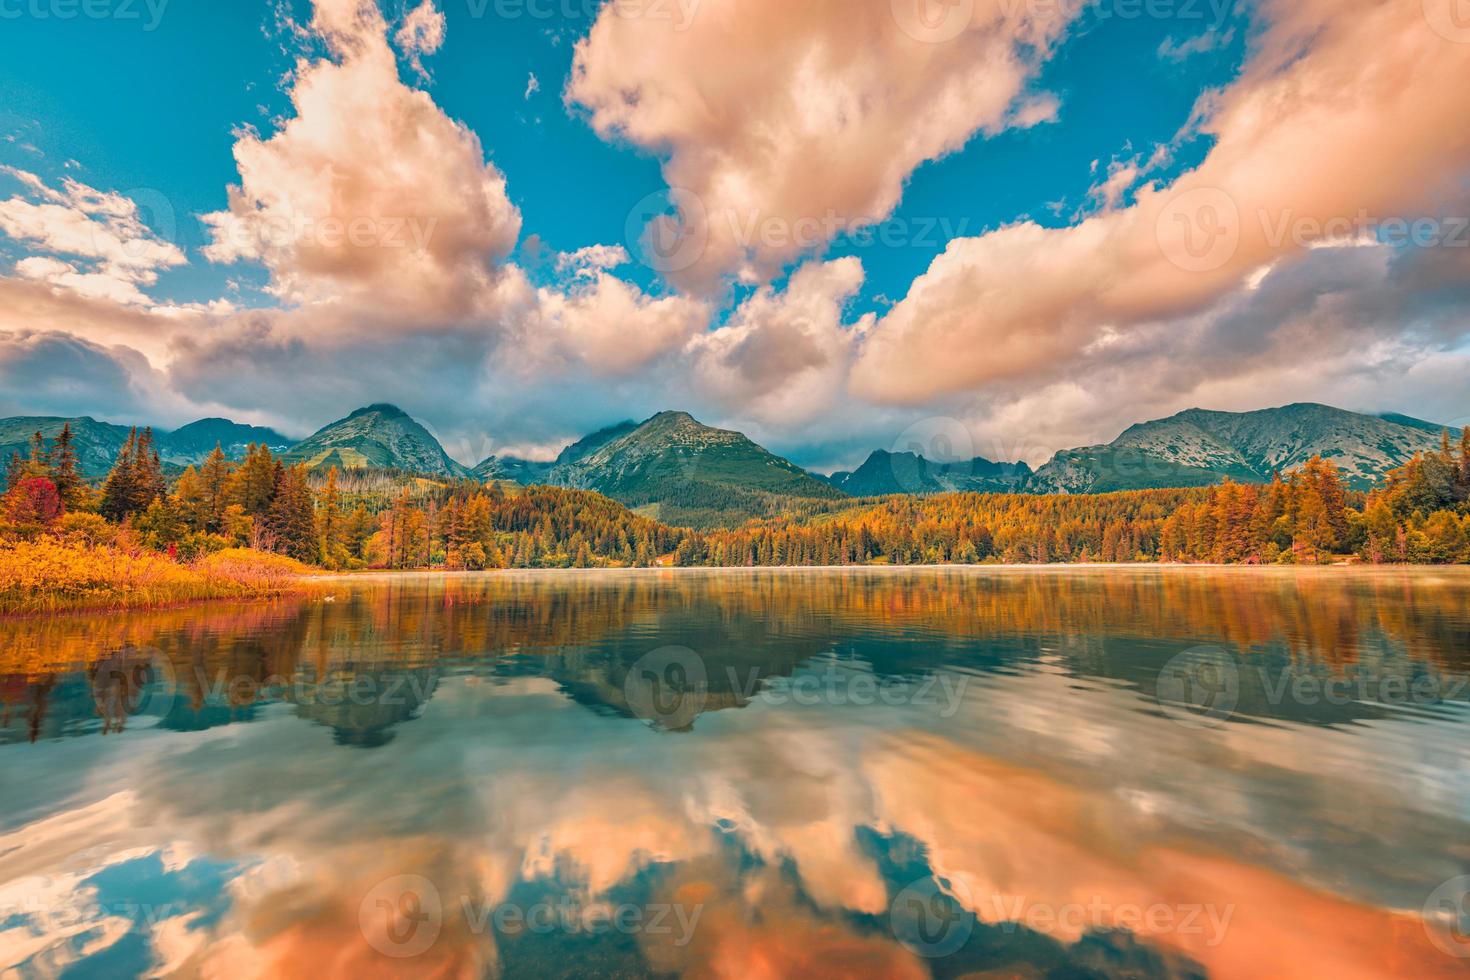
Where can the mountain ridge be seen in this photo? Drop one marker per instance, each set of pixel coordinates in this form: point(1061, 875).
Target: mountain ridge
point(1201, 447)
point(379, 436)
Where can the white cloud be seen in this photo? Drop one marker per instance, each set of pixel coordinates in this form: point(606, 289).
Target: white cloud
point(775, 113)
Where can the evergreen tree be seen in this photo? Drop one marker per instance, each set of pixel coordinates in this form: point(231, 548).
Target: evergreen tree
point(292, 519)
point(147, 473)
point(38, 465)
point(15, 471)
point(120, 491)
point(331, 525)
point(64, 472)
point(253, 485)
point(214, 486)
point(189, 502)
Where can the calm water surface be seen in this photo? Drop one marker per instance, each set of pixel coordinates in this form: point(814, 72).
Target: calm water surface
point(1133, 773)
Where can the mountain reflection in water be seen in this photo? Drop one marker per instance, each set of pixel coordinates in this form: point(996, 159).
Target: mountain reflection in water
point(880, 773)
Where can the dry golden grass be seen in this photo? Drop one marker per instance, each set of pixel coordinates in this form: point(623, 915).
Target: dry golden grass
point(47, 575)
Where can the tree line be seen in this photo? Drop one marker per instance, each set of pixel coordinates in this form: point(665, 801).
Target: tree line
point(1420, 514)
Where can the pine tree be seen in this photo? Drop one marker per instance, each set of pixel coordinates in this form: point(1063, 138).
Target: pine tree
point(253, 485)
point(38, 465)
point(214, 485)
point(15, 471)
point(292, 519)
point(1465, 465)
point(189, 502)
point(330, 524)
point(148, 473)
point(120, 491)
point(64, 471)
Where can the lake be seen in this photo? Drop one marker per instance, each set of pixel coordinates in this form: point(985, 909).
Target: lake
point(896, 772)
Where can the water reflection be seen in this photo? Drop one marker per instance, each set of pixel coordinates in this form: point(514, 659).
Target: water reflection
point(822, 774)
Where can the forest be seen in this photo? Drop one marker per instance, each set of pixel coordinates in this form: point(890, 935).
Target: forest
point(385, 520)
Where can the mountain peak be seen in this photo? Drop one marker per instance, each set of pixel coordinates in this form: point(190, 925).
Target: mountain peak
point(377, 437)
point(381, 408)
point(674, 417)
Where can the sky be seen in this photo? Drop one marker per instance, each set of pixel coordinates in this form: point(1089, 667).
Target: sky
point(967, 227)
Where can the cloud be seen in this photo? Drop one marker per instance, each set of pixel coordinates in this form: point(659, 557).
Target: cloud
point(1324, 85)
point(772, 114)
point(422, 33)
point(108, 250)
point(369, 195)
point(783, 356)
point(586, 261)
point(611, 327)
point(53, 373)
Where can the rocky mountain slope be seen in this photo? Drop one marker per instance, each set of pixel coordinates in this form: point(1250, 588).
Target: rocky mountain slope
point(377, 437)
point(192, 443)
point(885, 473)
point(1200, 448)
point(686, 472)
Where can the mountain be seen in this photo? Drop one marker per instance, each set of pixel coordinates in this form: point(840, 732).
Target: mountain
point(193, 442)
point(1414, 423)
point(1202, 448)
point(530, 473)
point(886, 473)
point(684, 472)
point(526, 472)
point(97, 443)
point(377, 437)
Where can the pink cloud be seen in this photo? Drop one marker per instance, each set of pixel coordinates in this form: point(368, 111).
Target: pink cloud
point(776, 116)
point(1341, 111)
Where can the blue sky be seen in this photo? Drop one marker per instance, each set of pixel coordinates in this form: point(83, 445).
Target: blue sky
point(157, 108)
point(152, 104)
